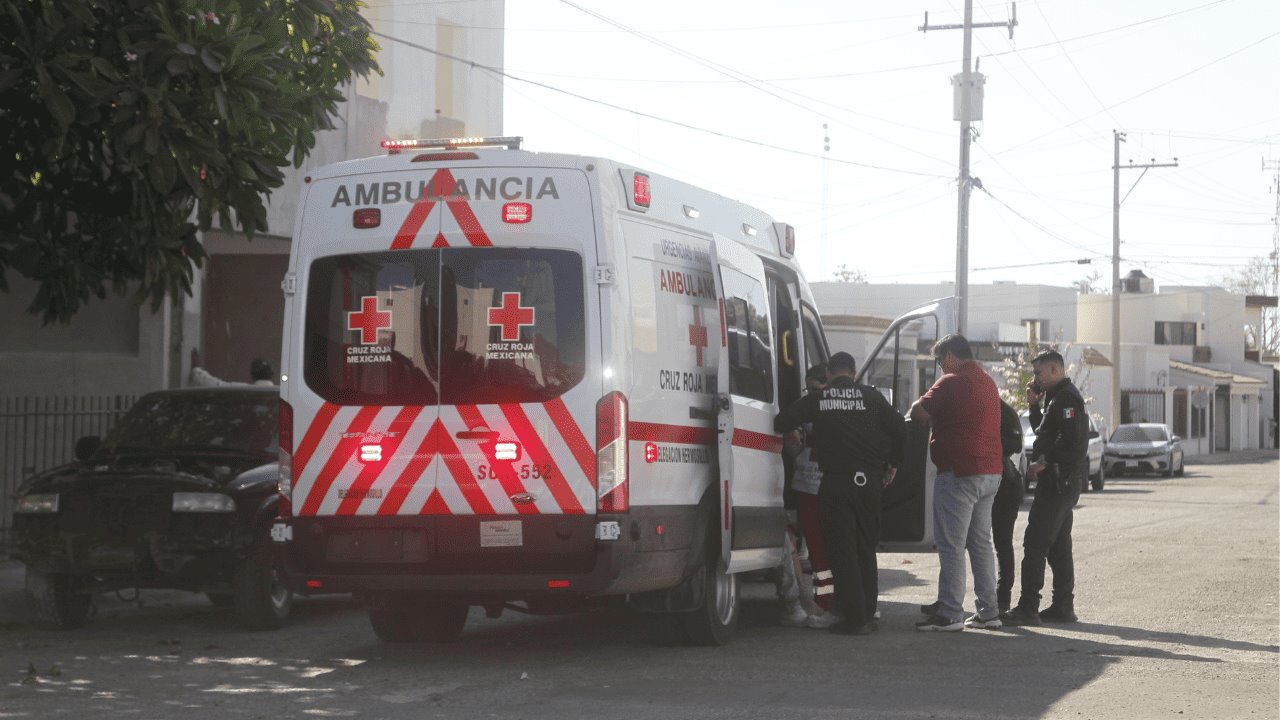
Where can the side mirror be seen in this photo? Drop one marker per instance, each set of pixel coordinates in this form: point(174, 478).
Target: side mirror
point(1177, 438)
point(1093, 434)
point(87, 446)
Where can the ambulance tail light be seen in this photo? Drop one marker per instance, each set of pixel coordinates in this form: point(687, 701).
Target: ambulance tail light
point(517, 212)
point(640, 190)
point(285, 486)
point(611, 454)
point(366, 218)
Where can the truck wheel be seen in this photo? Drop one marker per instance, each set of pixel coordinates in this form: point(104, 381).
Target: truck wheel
point(262, 599)
point(57, 604)
point(1097, 482)
point(410, 619)
point(715, 619)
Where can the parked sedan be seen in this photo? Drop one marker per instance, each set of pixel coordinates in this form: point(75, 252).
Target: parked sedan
point(1144, 448)
point(179, 495)
point(1097, 468)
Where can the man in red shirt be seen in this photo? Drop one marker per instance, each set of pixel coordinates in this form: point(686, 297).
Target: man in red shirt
point(963, 408)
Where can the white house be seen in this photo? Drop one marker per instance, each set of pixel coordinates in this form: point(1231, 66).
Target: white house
point(1183, 362)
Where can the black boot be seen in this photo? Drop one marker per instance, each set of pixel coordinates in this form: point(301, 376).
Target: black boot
point(1061, 611)
point(1021, 615)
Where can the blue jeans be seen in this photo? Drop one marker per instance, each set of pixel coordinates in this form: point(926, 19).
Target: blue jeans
point(962, 521)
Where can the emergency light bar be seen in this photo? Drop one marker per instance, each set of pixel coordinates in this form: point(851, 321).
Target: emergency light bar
point(395, 146)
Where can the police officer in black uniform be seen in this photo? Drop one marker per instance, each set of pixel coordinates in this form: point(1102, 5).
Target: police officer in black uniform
point(1059, 465)
point(859, 440)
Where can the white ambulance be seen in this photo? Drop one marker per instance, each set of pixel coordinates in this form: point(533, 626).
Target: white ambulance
point(525, 380)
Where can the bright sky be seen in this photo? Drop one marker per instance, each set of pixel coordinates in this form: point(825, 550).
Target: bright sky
point(1198, 80)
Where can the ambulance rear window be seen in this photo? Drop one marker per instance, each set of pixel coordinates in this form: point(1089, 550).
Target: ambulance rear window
point(445, 326)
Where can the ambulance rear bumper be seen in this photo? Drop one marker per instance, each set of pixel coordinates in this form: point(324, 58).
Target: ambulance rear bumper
point(472, 558)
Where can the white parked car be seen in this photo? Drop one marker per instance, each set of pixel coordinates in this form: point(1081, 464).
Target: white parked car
point(1097, 469)
point(1144, 447)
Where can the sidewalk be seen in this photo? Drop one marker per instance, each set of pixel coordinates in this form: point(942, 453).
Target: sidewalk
point(1236, 457)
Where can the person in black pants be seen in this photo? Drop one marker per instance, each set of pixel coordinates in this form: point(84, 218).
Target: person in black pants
point(859, 440)
point(1004, 510)
point(1060, 464)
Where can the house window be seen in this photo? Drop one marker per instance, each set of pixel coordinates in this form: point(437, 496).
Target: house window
point(1175, 333)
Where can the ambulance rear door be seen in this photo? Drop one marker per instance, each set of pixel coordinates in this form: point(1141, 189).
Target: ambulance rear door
point(752, 519)
point(516, 412)
point(902, 368)
point(366, 385)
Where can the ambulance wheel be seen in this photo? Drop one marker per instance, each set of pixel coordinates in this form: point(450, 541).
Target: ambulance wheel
point(715, 619)
point(410, 619)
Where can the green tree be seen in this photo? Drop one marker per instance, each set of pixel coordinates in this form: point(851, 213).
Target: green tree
point(129, 125)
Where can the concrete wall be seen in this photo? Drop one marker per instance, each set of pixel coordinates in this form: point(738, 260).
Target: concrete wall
point(112, 347)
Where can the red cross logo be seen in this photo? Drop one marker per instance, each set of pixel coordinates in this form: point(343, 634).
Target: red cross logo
point(368, 320)
point(698, 333)
point(511, 316)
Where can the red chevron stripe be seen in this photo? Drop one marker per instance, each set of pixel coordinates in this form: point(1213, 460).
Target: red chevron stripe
point(537, 452)
point(412, 472)
point(370, 472)
point(505, 471)
point(435, 505)
point(310, 441)
point(573, 437)
point(413, 223)
point(462, 474)
point(467, 221)
point(341, 454)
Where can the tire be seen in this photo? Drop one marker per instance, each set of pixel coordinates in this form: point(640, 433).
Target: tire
point(261, 598)
point(716, 618)
point(1097, 482)
point(1182, 467)
point(1169, 473)
point(409, 619)
point(221, 599)
point(58, 605)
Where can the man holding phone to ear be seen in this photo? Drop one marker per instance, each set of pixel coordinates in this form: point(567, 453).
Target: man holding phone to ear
point(1059, 465)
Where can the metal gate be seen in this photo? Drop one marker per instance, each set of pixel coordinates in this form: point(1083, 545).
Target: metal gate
point(1142, 406)
point(38, 433)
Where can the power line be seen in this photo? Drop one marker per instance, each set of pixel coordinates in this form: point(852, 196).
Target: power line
point(650, 116)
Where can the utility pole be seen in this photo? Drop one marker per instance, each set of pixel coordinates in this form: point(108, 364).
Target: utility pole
point(1115, 264)
point(967, 84)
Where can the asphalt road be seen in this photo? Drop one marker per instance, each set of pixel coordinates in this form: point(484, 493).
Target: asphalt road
point(1178, 584)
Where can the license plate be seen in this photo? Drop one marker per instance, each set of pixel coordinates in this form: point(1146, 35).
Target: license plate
point(501, 533)
point(1133, 464)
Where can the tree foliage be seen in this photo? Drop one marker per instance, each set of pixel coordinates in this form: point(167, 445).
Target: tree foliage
point(129, 125)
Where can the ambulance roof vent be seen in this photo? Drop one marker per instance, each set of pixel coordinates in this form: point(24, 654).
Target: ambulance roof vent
point(395, 146)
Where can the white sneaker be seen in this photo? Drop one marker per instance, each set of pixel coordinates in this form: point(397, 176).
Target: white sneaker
point(973, 621)
point(823, 621)
point(793, 616)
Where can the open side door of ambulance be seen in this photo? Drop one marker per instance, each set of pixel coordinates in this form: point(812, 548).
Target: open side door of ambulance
point(902, 368)
point(752, 519)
